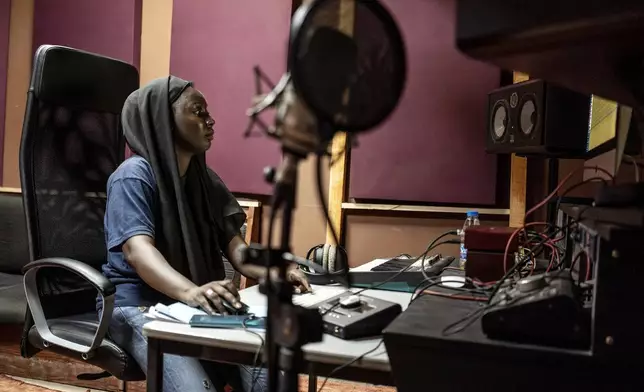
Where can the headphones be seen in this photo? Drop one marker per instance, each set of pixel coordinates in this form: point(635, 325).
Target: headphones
point(332, 258)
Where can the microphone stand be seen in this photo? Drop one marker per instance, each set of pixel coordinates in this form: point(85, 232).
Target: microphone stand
point(288, 327)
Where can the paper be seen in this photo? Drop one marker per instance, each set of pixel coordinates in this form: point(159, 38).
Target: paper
point(258, 310)
point(154, 314)
point(178, 311)
point(181, 313)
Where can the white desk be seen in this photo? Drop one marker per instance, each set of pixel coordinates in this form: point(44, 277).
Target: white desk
point(239, 346)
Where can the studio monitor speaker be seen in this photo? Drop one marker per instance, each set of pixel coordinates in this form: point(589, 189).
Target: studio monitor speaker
point(538, 118)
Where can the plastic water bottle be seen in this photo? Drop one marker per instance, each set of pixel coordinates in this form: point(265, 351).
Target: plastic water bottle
point(471, 220)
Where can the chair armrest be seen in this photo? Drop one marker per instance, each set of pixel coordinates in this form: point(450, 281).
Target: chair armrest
point(100, 282)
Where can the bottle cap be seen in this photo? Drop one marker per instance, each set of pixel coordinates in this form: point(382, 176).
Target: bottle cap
point(472, 213)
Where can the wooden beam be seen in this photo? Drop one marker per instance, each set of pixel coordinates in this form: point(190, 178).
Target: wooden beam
point(242, 203)
point(518, 177)
point(9, 190)
point(156, 33)
point(339, 148)
point(253, 223)
point(422, 209)
point(518, 77)
point(249, 203)
point(337, 178)
point(18, 76)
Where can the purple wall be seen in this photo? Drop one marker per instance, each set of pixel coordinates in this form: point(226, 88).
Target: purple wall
point(432, 149)
point(107, 27)
point(216, 44)
point(5, 16)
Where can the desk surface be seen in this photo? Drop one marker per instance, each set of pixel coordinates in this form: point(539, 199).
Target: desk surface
point(330, 351)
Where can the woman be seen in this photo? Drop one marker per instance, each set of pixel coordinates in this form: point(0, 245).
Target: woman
point(168, 220)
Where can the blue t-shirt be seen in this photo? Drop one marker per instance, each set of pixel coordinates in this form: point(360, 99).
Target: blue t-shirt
point(132, 205)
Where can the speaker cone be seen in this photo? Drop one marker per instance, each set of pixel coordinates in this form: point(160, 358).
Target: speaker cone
point(499, 121)
point(528, 117)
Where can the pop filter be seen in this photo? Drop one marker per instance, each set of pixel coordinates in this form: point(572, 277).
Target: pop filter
point(351, 78)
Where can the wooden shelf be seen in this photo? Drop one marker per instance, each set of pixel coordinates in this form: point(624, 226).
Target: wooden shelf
point(421, 209)
point(249, 203)
point(243, 203)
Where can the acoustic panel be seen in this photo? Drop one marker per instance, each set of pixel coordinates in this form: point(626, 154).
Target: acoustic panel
point(432, 148)
point(107, 27)
point(216, 44)
point(5, 16)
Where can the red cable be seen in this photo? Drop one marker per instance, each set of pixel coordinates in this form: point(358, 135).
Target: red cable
point(480, 283)
point(561, 184)
point(553, 251)
point(507, 246)
point(456, 296)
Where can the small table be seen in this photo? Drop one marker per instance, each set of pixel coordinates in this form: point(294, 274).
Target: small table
point(240, 347)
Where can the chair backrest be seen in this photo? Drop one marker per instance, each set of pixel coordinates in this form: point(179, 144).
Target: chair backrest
point(71, 143)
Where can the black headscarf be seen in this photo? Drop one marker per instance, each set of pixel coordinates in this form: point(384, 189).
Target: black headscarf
point(198, 219)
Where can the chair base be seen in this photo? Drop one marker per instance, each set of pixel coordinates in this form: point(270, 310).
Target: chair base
point(49, 366)
point(80, 329)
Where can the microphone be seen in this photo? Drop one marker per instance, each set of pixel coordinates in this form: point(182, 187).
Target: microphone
point(295, 125)
point(328, 68)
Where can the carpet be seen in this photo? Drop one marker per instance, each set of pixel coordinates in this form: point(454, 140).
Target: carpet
point(8, 384)
point(343, 386)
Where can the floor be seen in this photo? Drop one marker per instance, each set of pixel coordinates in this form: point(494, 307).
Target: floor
point(331, 386)
point(54, 386)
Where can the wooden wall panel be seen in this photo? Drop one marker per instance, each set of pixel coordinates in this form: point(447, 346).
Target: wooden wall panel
point(107, 27)
point(432, 149)
point(216, 44)
point(18, 74)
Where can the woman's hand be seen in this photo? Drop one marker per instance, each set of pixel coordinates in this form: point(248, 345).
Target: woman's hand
point(210, 296)
point(298, 279)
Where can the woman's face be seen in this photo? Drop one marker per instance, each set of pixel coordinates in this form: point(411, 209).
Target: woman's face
point(194, 123)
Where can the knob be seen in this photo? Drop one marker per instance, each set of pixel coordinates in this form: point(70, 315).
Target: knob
point(269, 174)
point(532, 283)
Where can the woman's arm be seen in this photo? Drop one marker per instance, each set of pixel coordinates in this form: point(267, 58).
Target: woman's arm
point(155, 270)
point(140, 252)
point(235, 254)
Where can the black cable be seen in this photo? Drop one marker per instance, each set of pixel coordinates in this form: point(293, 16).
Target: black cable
point(256, 371)
point(572, 262)
point(558, 248)
point(575, 186)
point(437, 281)
point(436, 245)
point(389, 279)
point(423, 255)
point(354, 360)
point(526, 258)
point(463, 323)
point(466, 321)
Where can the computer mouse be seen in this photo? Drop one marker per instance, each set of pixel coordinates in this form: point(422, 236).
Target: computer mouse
point(233, 310)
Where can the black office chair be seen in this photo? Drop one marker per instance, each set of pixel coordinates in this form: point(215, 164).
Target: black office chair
point(71, 143)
